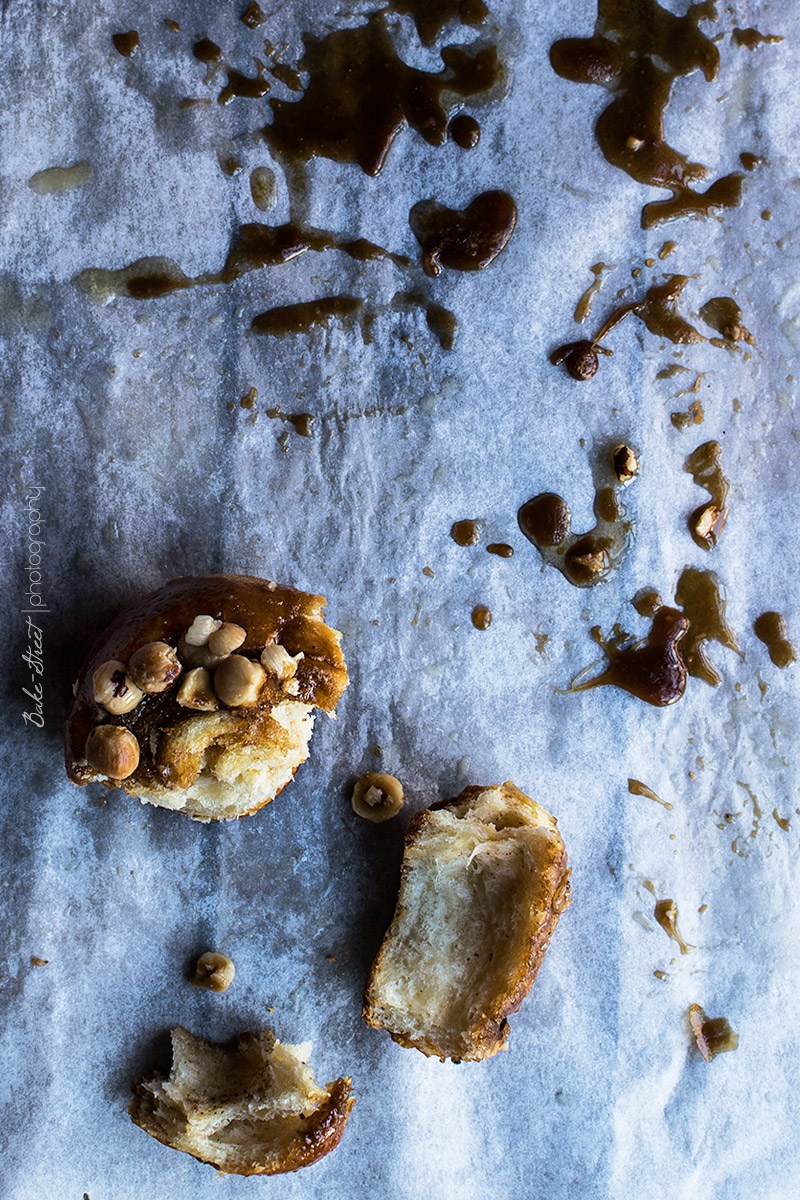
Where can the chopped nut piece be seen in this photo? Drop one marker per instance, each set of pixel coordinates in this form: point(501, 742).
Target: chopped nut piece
point(197, 691)
point(277, 660)
point(625, 462)
point(377, 797)
point(113, 751)
point(214, 972)
point(226, 639)
point(706, 524)
point(200, 630)
point(238, 681)
point(713, 1036)
point(154, 667)
point(113, 689)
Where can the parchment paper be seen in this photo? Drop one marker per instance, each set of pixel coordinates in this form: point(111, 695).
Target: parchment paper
point(128, 417)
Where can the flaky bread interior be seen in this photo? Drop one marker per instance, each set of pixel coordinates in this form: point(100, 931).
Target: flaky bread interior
point(251, 1108)
point(222, 765)
point(483, 882)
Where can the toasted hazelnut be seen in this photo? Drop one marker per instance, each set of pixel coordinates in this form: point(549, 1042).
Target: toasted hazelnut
point(706, 524)
point(197, 691)
point(197, 656)
point(201, 629)
point(226, 639)
point(154, 667)
point(377, 797)
point(277, 660)
point(238, 681)
point(214, 972)
point(625, 463)
point(113, 751)
point(113, 689)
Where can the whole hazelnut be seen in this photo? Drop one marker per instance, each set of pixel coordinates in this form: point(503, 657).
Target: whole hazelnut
point(201, 629)
point(113, 751)
point(238, 681)
point(197, 691)
point(154, 667)
point(213, 971)
point(114, 689)
point(226, 639)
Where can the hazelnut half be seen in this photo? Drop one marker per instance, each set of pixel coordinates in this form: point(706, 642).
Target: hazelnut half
point(277, 660)
point(113, 689)
point(226, 639)
point(113, 751)
point(201, 629)
point(377, 797)
point(154, 667)
point(625, 463)
point(197, 691)
point(214, 972)
point(238, 681)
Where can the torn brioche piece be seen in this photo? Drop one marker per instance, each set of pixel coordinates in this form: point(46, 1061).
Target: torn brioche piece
point(249, 1108)
point(483, 883)
point(202, 698)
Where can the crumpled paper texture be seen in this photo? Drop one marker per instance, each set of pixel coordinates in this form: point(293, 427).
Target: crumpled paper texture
point(128, 417)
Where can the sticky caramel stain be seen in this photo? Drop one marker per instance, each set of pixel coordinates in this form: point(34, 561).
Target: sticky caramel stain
point(637, 788)
point(481, 617)
point(660, 314)
point(441, 321)
point(302, 318)
point(126, 44)
point(501, 549)
point(249, 398)
point(667, 249)
point(589, 558)
point(253, 247)
point(699, 594)
point(465, 131)
point(714, 1036)
point(770, 628)
point(670, 371)
point(584, 306)
point(647, 602)
point(300, 422)
point(431, 16)
point(361, 96)
point(463, 239)
point(541, 641)
point(707, 522)
point(749, 161)
point(254, 15)
point(465, 533)
point(666, 913)
point(724, 315)
point(694, 415)
point(751, 38)
point(652, 670)
point(783, 822)
point(637, 52)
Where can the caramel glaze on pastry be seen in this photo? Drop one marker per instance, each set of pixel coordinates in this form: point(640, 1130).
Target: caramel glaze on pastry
point(214, 748)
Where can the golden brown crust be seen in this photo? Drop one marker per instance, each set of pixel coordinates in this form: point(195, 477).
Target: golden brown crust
point(269, 612)
point(317, 1136)
point(489, 1033)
